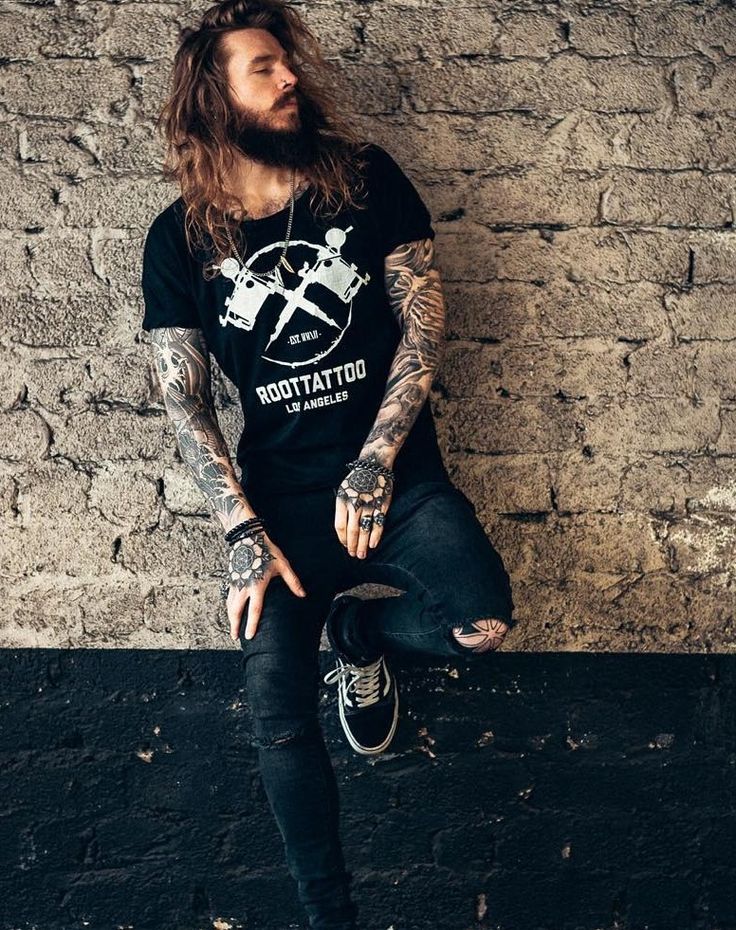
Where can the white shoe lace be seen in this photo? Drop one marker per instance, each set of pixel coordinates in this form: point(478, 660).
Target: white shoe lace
point(362, 679)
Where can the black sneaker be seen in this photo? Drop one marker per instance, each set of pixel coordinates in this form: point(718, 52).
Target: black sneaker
point(368, 693)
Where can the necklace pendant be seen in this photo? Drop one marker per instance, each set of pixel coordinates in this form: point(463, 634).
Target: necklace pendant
point(230, 268)
point(286, 264)
point(276, 275)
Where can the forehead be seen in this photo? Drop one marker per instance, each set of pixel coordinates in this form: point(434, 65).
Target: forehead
point(247, 44)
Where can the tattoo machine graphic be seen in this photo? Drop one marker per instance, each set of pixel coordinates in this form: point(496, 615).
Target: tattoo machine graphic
point(251, 292)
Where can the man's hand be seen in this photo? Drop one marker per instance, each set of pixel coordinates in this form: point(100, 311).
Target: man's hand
point(254, 560)
point(363, 498)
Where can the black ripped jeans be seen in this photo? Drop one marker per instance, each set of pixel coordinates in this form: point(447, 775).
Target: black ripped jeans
point(435, 550)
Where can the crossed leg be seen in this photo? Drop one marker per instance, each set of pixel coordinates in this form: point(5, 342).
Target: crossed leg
point(434, 549)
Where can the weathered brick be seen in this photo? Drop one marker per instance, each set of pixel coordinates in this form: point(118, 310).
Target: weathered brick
point(503, 483)
point(60, 264)
point(711, 484)
point(497, 310)
point(190, 547)
point(704, 88)
point(72, 31)
point(674, 31)
point(702, 313)
point(681, 141)
point(677, 199)
point(121, 203)
point(604, 543)
point(25, 202)
point(21, 33)
point(576, 369)
point(715, 369)
point(652, 425)
point(24, 435)
point(660, 370)
point(43, 320)
point(507, 426)
point(126, 497)
point(702, 543)
point(137, 31)
point(531, 32)
point(338, 26)
point(439, 143)
point(112, 435)
point(399, 33)
point(565, 81)
point(535, 198)
point(656, 483)
point(101, 90)
point(726, 442)
point(586, 482)
point(534, 370)
point(582, 308)
point(603, 33)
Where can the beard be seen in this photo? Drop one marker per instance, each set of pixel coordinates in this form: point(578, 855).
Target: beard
point(254, 135)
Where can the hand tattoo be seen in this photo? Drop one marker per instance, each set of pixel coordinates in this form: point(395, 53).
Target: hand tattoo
point(364, 488)
point(249, 557)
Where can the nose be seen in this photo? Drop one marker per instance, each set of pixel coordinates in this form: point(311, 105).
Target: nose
point(289, 78)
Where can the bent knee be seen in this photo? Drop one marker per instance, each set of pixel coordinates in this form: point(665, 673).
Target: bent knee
point(481, 635)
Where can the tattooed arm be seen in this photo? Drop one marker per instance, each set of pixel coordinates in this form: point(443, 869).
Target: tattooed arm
point(415, 293)
point(182, 365)
point(183, 369)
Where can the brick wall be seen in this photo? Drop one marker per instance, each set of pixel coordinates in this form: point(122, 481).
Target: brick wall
point(578, 160)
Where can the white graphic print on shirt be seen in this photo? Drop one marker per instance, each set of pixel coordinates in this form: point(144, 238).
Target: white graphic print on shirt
point(315, 313)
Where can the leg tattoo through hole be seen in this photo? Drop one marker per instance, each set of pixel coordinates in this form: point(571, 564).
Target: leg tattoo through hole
point(481, 635)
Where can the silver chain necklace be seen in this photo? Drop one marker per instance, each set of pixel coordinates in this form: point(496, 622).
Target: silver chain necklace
point(231, 266)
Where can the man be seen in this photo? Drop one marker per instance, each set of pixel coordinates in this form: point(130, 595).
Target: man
point(302, 258)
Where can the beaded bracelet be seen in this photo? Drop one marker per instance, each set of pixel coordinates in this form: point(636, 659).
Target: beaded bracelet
point(252, 531)
point(376, 469)
point(243, 529)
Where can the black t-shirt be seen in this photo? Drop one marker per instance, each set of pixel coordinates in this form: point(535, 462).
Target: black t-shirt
point(310, 360)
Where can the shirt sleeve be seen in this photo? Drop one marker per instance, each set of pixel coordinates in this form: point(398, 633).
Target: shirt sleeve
point(401, 214)
point(166, 279)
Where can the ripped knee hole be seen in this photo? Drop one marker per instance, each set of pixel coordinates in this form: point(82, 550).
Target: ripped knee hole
point(481, 635)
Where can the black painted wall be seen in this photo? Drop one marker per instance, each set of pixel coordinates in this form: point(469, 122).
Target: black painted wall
point(549, 791)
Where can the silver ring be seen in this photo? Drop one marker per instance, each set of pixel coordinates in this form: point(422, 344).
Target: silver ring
point(379, 517)
point(366, 522)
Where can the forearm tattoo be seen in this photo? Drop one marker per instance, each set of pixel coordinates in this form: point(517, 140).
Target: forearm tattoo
point(415, 293)
point(362, 488)
point(182, 364)
point(249, 557)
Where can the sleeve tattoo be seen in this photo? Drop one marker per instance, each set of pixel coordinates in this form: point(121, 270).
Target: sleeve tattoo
point(415, 294)
point(181, 361)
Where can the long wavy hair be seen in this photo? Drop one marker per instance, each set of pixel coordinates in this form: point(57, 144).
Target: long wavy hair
point(196, 114)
